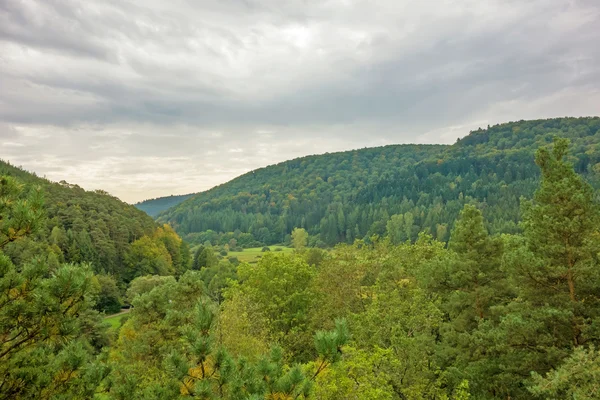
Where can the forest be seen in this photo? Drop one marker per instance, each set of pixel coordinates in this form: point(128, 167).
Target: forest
point(352, 195)
point(473, 273)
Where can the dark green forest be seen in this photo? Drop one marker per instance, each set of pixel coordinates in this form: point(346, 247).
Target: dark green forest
point(502, 302)
point(352, 195)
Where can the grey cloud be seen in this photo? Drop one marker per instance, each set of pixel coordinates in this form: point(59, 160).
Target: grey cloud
point(180, 83)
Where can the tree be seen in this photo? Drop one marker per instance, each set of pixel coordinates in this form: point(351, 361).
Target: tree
point(109, 296)
point(553, 269)
point(475, 278)
point(20, 217)
point(217, 278)
point(148, 257)
point(168, 350)
point(145, 284)
point(242, 328)
point(204, 258)
point(396, 230)
point(560, 228)
point(299, 238)
point(177, 248)
point(48, 332)
point(469, 283)
point(577, 378)
point(281, 286)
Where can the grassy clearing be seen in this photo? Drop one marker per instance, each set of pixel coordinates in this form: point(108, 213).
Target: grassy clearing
point(252, 255)
point(114, 320)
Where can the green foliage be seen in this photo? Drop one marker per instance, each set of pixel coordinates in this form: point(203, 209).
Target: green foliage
point(168, 350)
point(560, 229)
point(281, 286)
point(486, 317)
point(109, 295)
point(204, 258)
point(80, 226)
point(45, 348)
point(577, 378)
point(341, 197)
point(148, 257)
point(19, 217)
point(144, 284)
point(48, 332)
point(217, 278)
point(299, 238)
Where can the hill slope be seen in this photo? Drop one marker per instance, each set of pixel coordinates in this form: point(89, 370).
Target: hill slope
point(81, 226)
point(342, 196)
point(153, 207)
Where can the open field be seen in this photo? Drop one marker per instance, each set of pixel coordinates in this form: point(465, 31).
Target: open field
point(252, 254)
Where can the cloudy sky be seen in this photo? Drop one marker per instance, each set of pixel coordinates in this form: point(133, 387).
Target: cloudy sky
point(146, 98)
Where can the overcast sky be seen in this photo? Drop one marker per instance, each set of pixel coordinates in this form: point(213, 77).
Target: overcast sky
point(148, 98)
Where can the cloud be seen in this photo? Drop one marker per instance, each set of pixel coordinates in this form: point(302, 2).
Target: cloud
point(144, 98)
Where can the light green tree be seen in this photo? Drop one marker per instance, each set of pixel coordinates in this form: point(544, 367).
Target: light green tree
point(281, 285)
point(299, 238)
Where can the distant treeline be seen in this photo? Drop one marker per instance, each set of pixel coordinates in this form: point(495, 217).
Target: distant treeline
point(153, 207)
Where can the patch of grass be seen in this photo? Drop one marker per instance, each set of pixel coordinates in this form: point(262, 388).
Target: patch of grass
point(252, 255)
point(114, 320)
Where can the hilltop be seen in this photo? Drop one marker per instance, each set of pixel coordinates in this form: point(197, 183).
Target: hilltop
point(79, 225)
point(339, 197)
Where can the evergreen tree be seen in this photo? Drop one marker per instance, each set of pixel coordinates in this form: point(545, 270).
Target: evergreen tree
point(560, 228)
point(48, 332)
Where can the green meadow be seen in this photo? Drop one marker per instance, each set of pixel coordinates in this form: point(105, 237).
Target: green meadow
point(253, 254)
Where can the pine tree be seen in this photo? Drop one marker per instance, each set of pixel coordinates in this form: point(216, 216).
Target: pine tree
point(46, 350)
point(554, 269)
point(478, 269)
point(560, 228)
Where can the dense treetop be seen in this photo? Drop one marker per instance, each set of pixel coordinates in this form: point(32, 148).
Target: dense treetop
point(93, 227)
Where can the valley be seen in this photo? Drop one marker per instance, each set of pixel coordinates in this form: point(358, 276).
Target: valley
point(457, 272)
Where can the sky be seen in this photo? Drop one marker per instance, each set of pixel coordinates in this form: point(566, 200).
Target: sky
point(148, 98)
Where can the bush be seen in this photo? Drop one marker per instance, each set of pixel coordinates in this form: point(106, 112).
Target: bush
point(234, 261)
point(278, 249)
point(124, 319)
point(223, 253)
point(265, 249)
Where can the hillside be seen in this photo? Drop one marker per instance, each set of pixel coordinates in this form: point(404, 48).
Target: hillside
point(81, 226)
point(343, 196)
point(153, 207)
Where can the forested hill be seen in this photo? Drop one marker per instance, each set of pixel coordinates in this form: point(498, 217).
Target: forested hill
point(153, 207)
point(80, 225)
point(400, 190)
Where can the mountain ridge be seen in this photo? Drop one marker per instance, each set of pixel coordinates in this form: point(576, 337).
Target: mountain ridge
point(257, 199)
